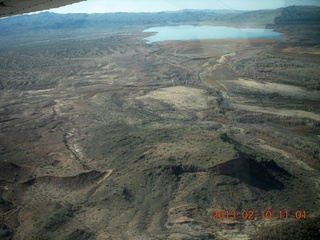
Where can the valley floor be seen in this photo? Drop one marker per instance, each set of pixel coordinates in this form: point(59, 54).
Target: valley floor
point(107, 137)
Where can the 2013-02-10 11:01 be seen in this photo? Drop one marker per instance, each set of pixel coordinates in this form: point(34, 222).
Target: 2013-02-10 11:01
point(251, 215)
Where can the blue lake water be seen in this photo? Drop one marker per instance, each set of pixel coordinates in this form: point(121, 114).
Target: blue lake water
point(188, 32)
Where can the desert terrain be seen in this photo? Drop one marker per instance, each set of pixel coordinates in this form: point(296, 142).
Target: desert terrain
point(103, 136)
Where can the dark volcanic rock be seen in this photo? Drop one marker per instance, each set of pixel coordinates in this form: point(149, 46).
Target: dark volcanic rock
point(256, 174)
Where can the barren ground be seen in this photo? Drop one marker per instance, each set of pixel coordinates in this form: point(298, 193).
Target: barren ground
point(106, 137)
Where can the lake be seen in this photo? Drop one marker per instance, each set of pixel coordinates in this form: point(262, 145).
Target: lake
point(188, 32)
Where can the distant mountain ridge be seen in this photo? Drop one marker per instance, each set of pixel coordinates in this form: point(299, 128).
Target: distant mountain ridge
point(296, 14)
point(220, 11)
point(47, 20)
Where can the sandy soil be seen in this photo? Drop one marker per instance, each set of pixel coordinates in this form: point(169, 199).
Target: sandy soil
point(182, 98)
point(282, 89)
point(279, 112)
point(299, 50)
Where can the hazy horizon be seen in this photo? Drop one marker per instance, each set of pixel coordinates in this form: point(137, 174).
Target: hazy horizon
point(103, 6)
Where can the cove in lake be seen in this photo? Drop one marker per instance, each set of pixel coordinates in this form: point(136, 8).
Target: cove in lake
point(188, 32)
